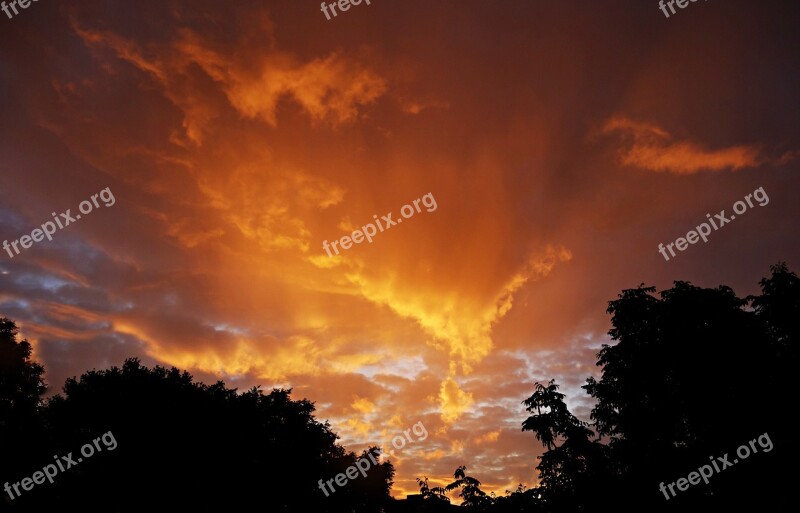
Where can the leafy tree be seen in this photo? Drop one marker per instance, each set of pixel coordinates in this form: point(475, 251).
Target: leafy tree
point(370, 493)
point(694, 373)
point(471, 493)
point(21, 382)
point(21, 389)
point(777, 307)
point(574, 468)
point(187, 445)
point(521, 500)
point(668, 395)
point(436, 494)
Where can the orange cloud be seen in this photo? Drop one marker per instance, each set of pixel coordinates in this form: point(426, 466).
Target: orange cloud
point(363, 405)
point(460, 324)
point(489, 437)
point(267, 358)
point(454, 401)
point(651, 147)
point(330, 88)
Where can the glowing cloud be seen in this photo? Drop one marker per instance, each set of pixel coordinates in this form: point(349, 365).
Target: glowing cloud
point(651, 147)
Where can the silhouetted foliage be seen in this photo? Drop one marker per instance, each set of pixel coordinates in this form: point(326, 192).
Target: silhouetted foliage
point(190, 446)
point(470, 490)
point(574, 468)
point(521, 500)
point(21, 389)
point(434, 499)
point(693, 374)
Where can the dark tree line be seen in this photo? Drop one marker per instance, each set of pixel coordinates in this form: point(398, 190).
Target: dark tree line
point(181, 445)
point(694, 373)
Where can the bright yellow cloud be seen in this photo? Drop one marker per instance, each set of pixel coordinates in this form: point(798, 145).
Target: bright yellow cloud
point(454, 401)
point(363, 405)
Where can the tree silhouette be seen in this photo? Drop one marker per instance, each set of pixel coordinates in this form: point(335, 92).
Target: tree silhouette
point(188, 445)
point(573, 469)
point(21, 389)
point(21, 383)
point(676, 386)
point(435, 494)
point(471, 493)
point(694, 373)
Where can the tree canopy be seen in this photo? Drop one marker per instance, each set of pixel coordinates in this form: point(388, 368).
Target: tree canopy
point(180, 444)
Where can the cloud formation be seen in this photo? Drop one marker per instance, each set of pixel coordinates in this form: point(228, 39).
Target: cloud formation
point(648, 146)
point(329, 88)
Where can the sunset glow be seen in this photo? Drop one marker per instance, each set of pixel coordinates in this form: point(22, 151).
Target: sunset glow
point(562, 141)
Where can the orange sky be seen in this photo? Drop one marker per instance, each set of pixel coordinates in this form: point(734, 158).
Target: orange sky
point(562, 142)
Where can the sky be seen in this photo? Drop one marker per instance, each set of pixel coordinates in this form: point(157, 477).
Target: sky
point(551, 147)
